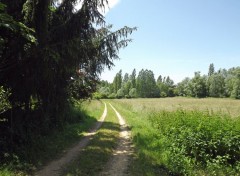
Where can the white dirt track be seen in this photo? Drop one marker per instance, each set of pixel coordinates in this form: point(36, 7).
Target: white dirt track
point(54, 168)
point(116, 166)
point(119, 162)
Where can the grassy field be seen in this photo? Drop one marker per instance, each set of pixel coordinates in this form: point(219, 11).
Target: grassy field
point(172, 136)
point(183, 136)
point(223, 105)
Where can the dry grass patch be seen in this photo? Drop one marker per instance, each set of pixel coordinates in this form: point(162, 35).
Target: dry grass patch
point(223, 105)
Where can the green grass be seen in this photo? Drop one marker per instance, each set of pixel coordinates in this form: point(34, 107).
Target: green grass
point(223, 105)
point(144, 137)
point(94, 157)
point(190, 142)
point(5, 171)
point(181, 136)
point(46, 148)
point(183, 140)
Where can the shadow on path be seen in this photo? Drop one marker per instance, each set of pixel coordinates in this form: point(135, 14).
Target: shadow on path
point(119, 163)
point(54, 168)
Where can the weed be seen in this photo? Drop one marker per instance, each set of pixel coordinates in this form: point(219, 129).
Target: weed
point(186, 141)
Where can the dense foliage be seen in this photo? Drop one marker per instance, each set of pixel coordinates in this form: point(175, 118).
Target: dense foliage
point(221, 83)
point(50, 53)
point(195, 141)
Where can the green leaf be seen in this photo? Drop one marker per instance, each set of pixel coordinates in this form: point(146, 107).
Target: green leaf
point(2, 6)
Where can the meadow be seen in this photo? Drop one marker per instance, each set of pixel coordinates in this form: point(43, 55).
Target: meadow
point(172, 136)
point(183, 136)
point(218, 105)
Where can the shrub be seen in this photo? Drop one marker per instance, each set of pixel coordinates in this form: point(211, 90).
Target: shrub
point(112, 96)
point(199, 140)
point(163, 94)
point(97, 95)
point(133, 93)
point(120, 93)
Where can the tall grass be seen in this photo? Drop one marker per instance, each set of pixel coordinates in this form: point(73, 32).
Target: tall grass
point(145, 138)
point(49, 146)
point(223, 105)
point(182, 140)
point(194, 142)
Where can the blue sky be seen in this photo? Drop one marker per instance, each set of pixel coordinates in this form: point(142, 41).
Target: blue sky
point(177, 37)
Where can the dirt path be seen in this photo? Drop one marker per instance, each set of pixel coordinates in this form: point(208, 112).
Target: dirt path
point(54, 168)
point(118, 164)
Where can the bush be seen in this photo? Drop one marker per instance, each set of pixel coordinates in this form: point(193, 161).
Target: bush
point(127, 96)
point(112, 96)
point(120, 93)
point(97, 95)
point(163, 94)
point(193, 141)
point(133, 93)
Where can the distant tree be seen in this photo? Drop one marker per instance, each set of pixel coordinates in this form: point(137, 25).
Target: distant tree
point(211, 70)
point(104, 91)
point(112, 96)
point(126, 84)
point(236, 85)
point(111, 88)
point(133, 93)
point(146, 84)
point(198, 86)
point(104, 83)
point(117, 82)
point(221, 83)
point(162, 88)
point(133, 79)
point(231, 82)
point(183, 87)
point(216, 85)
point(169, 82)
point(127, 87)
point(166, 86)
point(120, 93)
point(140, 84)
point(159, 79)
point(171, 91)
point(125, 78)
point(236, 89)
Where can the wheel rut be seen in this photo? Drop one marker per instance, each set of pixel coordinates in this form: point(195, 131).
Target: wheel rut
point(119, 162)
point(54, 168)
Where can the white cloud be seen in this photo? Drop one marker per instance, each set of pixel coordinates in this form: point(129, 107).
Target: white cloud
point(111, 4)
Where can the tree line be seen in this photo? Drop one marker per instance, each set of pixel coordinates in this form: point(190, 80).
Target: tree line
point(50, 54)
point(220, 83)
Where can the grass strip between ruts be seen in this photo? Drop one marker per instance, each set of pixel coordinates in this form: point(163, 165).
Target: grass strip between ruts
point(94, 157)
